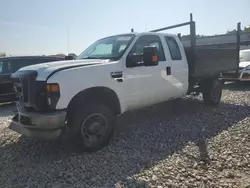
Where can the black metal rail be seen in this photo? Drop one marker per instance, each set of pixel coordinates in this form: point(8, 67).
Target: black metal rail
point(192, 25)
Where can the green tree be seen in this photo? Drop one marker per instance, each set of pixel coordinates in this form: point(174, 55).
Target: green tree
point(247, 28)
point(2, 54)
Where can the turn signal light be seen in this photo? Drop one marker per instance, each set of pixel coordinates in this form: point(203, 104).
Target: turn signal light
point(53, 87)
point(154, 58)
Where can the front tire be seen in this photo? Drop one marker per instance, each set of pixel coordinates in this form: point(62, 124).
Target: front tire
point(212, 91)
point(91, 126)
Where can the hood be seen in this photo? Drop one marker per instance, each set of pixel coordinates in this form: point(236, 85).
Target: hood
point(45, 69)
point(244, 64)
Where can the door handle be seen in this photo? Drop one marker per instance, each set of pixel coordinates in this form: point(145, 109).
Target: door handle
point(168, 70)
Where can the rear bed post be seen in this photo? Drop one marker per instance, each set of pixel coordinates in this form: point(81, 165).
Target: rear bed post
point(238, 46)
point(193, 43)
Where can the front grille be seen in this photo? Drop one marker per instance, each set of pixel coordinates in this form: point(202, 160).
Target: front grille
point(32, 94)
point(25, 86)
point(21, 88)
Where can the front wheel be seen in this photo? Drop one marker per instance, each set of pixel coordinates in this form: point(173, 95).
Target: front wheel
point(92, 126)
point(212, 91)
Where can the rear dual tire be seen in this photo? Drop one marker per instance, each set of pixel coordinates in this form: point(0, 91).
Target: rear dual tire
point(212, 91)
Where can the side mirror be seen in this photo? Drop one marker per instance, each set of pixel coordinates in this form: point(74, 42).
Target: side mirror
point(134, 60)
point(150, 57)
point(69, 57)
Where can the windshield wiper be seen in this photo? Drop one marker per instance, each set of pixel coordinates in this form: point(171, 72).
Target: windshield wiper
point(90, 57)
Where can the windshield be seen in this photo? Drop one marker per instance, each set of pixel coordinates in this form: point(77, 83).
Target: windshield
point(244, 56)
point(108, 48)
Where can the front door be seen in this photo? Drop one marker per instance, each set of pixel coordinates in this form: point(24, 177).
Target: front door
point(145, 85)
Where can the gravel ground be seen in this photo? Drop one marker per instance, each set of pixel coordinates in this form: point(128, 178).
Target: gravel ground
point(181, 143)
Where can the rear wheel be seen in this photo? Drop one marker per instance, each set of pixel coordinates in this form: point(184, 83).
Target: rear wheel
point(91, 126)
point(212, 91)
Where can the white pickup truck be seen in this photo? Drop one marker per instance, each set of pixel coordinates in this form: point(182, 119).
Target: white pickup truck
point(114, 75)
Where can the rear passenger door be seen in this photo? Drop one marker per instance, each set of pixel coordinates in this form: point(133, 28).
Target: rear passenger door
point(178, 66)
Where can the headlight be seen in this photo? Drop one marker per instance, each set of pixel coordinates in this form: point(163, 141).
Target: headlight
point(248, 67)
point(53, 94)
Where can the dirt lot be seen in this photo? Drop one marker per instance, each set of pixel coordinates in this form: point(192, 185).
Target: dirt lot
point(176, 144)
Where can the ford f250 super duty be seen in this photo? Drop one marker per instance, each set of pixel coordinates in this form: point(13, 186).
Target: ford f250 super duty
point(114, 75)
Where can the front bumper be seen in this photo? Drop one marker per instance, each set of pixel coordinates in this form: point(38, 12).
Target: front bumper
point(46, 126)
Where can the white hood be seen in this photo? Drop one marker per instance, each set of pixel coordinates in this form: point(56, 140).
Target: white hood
point(45, 69)
point(244, 64)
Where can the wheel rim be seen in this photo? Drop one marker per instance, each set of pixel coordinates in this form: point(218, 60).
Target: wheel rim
point(94, 128)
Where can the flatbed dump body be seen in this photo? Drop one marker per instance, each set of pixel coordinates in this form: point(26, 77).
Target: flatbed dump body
point(210, 62)
point(206, 60)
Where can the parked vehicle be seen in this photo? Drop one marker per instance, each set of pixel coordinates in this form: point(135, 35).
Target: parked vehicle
point(9, 65)
point(114, 75)
point(244, 69)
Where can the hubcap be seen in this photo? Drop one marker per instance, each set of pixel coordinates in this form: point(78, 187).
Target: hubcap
point(94, 128)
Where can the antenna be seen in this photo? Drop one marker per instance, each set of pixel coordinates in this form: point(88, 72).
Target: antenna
point(68, 40)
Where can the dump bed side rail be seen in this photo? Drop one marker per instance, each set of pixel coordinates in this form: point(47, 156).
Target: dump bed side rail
point(191, 47)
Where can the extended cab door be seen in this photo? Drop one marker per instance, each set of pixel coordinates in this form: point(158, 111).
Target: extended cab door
point(145, 85)
point(177, 66)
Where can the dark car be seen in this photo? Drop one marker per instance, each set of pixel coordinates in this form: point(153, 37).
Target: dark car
point(9, 65)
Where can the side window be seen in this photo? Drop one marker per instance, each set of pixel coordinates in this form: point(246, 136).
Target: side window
point(14, 65)
point(35, 61)
point(173, 48)
point(1, 67)
point(148, 40)
point(50, 60)
point(20, 63)
point(7, 67)
point(43, 60)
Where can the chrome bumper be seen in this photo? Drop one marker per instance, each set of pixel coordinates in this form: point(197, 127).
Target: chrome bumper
point(47, 126)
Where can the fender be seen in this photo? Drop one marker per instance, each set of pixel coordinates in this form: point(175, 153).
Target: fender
point(69, 67)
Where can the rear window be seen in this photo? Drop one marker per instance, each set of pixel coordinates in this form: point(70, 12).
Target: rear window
point(173, 48)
